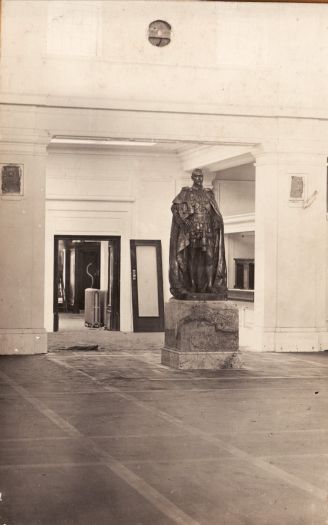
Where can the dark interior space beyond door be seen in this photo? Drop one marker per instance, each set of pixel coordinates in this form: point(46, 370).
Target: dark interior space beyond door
point(87, 270)
point(147, 286)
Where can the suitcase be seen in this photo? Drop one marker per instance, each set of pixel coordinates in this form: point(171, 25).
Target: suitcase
point(92, 308)
point(103, 306)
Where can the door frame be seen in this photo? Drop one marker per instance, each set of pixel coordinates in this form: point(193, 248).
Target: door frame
point(116, 240)
point(147, 324)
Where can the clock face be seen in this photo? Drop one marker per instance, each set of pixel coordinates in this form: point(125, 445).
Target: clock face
point(159, 33)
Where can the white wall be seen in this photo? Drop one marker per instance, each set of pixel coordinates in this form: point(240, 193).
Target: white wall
point(241, 245)
point(236, 197)
point(128, 195)
point(263, 58)
point(22, 255)
point(235, 189)
point(246, 325)
point(290, 254)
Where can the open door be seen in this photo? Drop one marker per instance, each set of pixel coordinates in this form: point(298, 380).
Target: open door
point(147, 286)
point(82, 262)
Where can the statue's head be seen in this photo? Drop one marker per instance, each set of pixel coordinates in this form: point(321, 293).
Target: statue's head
point(197, 177)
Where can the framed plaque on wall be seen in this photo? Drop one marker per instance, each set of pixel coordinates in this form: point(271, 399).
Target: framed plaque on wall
point(12, 180)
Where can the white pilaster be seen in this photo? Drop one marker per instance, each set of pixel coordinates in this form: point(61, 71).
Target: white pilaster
point(290, 253)
point(22, 225)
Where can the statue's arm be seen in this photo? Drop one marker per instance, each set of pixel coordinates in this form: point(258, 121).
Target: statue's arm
point(183, 223)
point(176, 215)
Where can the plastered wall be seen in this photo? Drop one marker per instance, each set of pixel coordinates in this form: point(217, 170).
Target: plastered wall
point(235, 188)
point(267, 58)
point(236, 197)
point(22, 231)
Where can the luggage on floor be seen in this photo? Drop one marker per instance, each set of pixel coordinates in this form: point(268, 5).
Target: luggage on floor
point(92, 308)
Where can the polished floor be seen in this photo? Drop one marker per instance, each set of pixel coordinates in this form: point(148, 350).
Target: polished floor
point(112, 437)
point(69, 322)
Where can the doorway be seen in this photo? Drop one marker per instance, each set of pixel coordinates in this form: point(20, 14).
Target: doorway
point(147, 286)
point(82, 262)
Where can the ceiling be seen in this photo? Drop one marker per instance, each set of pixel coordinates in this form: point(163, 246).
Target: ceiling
point(107, 144)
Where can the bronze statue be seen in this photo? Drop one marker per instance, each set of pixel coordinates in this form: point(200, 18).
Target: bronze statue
point(197, 256)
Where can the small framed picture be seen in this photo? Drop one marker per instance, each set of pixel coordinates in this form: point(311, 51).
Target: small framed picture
point(297, 189)
point(11, 180)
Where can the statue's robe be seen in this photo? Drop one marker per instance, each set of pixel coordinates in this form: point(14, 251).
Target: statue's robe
point(183, 208)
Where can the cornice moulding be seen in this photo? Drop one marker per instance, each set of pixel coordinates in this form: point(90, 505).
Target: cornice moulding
point(239, 223)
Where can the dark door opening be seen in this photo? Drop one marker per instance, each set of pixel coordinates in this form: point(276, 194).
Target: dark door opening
point(244, 274)
point(87, 270)
point(82, 262)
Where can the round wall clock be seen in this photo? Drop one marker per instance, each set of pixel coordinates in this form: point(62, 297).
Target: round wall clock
point(159, 33)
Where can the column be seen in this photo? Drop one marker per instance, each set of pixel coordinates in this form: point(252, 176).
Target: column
point(22, 234)
point(290, 252)
point(103, 265)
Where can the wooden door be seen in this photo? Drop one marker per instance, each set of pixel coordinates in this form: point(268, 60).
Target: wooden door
point(147, 286)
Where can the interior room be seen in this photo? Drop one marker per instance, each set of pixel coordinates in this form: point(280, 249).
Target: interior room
point(150, 373)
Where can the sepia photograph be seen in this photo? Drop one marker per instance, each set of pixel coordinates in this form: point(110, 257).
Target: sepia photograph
point(163, 262)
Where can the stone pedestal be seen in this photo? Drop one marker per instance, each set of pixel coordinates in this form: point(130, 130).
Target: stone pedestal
point(201, 335)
